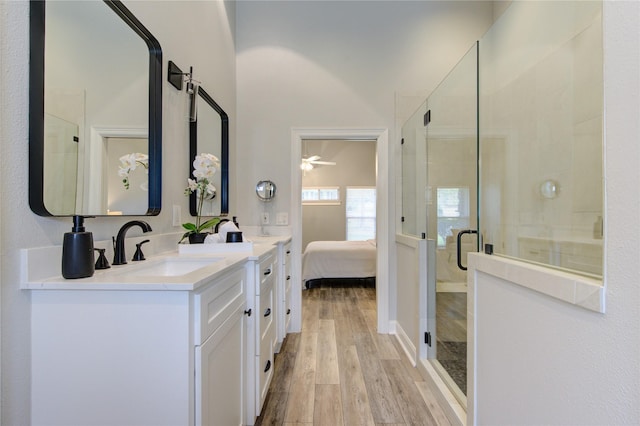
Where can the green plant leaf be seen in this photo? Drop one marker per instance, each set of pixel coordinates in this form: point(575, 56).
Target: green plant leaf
point(210, 223)
point(185, 235)
point(190, 227)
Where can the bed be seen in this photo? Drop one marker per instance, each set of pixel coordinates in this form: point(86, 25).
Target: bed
point(339, 263)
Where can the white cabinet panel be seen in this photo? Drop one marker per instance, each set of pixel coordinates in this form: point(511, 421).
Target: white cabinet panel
point(219, 372)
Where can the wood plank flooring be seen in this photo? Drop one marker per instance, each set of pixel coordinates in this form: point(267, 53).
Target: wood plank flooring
point(340, 371)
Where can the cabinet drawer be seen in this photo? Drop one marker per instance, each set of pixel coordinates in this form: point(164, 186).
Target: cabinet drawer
point(267, 309)
point(266, 272)
point(216, 303)
point(287, 254)
point(265, 366)
point(287, 309)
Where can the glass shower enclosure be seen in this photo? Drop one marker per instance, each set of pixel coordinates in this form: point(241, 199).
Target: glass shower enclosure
point(440, 157)
point(507, 151)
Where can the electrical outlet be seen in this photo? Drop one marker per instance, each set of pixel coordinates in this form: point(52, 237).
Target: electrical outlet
point(265, 218)
point(282, 218)
point(177, 215)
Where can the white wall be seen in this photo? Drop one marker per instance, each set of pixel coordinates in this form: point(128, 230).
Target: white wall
point(543, 361)
point(333, 65)
point(198, 34)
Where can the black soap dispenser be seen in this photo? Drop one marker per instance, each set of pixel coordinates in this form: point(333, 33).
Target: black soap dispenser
point(78, 259)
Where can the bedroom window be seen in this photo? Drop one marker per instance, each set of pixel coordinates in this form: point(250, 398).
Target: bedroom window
point(453, 212)
point(321, 195)
point(361, 213)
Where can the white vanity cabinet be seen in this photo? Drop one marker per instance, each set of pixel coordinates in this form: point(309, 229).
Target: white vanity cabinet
point(263, 339)
point(140, 357)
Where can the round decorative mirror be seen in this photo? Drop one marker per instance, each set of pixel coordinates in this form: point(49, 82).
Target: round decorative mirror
point(549, 189)
point(266, 190)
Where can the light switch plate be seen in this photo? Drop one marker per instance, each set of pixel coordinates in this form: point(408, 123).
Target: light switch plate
point(177, 215)
point(282, 218)
point(265, 218)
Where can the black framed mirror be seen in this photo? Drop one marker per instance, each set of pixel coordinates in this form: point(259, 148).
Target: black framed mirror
point(95, 111)
point(209, 133)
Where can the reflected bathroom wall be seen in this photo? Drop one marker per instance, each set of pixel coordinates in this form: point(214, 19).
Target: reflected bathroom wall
point(209, 140)
point(61, 167)
point(96, 77)
point(541, 97)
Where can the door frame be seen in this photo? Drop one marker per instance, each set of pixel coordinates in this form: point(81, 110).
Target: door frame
point(383, 228)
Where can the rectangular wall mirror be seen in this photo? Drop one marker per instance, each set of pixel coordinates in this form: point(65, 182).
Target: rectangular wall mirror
point(210, 133)
point(95, 111)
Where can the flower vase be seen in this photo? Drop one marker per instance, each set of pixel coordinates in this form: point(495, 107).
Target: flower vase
point(197, 238)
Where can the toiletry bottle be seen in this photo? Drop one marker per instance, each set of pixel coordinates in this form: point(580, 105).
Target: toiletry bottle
point(78, 259)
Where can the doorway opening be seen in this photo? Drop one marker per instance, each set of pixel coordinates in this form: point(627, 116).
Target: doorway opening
point(380, 138)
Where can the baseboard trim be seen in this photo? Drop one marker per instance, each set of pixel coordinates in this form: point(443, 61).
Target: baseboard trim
point(456, 414)
point(405, 343)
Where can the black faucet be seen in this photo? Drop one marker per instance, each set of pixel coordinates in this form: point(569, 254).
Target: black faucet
point(119, 257)
point(215, 230)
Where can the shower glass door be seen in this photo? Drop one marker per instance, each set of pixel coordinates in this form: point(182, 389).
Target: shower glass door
point(452, 199)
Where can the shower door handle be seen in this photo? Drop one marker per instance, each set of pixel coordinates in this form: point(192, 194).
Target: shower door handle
point(459, 246)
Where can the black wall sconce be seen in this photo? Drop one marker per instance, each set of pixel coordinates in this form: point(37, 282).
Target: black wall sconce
point(176, 77)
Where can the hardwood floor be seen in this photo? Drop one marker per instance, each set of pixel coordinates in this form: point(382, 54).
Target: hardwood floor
point(340, 371)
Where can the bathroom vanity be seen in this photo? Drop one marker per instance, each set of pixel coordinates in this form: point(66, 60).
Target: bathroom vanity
point(173, 340)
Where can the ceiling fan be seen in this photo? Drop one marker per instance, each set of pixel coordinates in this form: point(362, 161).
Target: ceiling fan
point(314, 160)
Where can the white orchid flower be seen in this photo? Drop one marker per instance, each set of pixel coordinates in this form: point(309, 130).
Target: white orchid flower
point(204, 168)
point(129, 163)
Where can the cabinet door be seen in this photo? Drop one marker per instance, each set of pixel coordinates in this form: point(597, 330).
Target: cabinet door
point(219, 374)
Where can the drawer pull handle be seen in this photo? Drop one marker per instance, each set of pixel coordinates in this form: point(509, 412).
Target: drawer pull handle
point(248, 312)
point(288, 277)
point(268, 366)
point(267, 312)
point(288, 251)
point(267, 272)
point(288, 311)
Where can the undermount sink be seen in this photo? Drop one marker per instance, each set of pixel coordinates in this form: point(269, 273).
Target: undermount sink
point(171, 267)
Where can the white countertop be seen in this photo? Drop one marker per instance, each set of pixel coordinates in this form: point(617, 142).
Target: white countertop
point(40, 272)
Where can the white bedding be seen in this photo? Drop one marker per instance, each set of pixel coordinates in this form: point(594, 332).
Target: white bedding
point(339, 259)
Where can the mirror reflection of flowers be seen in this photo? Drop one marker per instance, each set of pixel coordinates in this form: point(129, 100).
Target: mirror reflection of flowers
point(205, 167)
point(129, 163)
